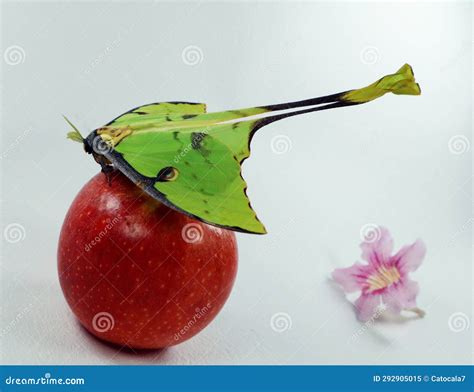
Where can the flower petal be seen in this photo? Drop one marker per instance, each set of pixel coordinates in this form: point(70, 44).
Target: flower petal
point(401, 295)
point(377, 250)
point(353, 278)
point(410, 257)
point(366, 306)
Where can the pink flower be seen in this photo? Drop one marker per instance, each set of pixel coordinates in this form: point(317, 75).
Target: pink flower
point(384, 280)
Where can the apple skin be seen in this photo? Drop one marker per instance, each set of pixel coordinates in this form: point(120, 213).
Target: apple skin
point(137, 273)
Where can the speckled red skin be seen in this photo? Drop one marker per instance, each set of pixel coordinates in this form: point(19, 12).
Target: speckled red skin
point(155, 288)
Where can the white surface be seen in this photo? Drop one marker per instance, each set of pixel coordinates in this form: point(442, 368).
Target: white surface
point(387, 162)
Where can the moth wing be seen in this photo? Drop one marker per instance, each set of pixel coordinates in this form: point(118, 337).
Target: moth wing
point(160, 112)
point(208, 184)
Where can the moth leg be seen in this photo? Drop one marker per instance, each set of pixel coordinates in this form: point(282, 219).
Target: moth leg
point(106, 167)
point(108, 170)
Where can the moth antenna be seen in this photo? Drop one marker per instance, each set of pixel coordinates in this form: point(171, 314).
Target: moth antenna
point(74, 135)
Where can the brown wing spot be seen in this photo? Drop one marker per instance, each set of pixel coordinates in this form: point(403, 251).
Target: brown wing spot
point(197, 139)
point(203, 191)
point(240, 113)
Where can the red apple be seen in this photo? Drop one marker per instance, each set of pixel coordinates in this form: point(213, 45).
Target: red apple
point(138, 273)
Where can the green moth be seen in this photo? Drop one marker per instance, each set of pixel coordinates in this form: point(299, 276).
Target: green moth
point(190, 160)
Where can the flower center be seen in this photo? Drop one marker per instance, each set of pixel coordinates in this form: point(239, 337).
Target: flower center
point(383, 278)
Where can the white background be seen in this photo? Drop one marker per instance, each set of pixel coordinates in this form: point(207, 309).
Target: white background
point(389, 162)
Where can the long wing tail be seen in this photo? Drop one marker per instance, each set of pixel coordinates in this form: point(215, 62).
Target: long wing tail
point(401, 82)
point(235, 128)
